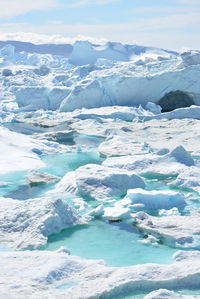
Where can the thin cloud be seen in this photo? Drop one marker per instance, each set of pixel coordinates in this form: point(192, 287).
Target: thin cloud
point(10, 8)
point(91, 2)
point(161, 9)
point(168, 32)
point(189, 2)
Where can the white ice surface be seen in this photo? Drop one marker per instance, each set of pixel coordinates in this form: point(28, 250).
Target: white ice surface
point(127, 75)
point(98, 182)
point(176, 231)
point(166, 294)
point(36, 274)
point(171, 163)
point(154, 200)
point(27, 224)
point(20, 152)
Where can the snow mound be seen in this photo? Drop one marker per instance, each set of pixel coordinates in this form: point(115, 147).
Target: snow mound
point(27, 224)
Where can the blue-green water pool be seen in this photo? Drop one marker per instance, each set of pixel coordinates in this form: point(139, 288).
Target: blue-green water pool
point(117, 243)
point(15, 185)
point(61, 164)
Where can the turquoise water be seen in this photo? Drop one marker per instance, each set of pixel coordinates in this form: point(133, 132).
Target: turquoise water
point(16, 186)
point(133, 296)
point(141, 295)
point(10, 181)
point(88, 140)
point(116, 243)
point(66, 285)
point(70, 284)
point(61, 164)
point(190, 292)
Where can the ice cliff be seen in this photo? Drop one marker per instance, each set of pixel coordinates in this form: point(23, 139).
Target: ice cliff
point(91, 75)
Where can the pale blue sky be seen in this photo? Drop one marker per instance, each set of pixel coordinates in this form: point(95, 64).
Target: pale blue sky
point(172, 24)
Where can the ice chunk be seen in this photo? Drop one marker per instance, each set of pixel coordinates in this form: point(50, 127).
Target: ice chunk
point(175, 231)
point(99, 182)
point(166, 294)
point(120, 146)
point(27, 224)
point(116, 213)
point(37, 177)
point(155, 200)
point(182, 156)
point(40, 97)
point(43, 70)
point(189, 178)
point(16, 152)
point(156, 109)
point(86, 53)
point(87, 96)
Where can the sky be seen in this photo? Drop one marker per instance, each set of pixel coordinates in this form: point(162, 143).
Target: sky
point(170, 24)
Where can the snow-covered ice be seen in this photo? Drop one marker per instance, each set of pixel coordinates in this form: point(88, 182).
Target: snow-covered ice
point(21, 152)
point(164, 294)
point(27, 224)
point(61, 275)
point(171, 163)
point(98, 182)
point(154, 200)
point(178, 231)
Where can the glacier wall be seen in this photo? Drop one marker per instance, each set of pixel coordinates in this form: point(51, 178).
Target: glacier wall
point(91, 76)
